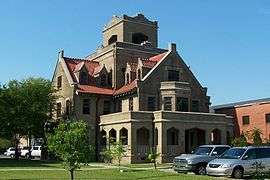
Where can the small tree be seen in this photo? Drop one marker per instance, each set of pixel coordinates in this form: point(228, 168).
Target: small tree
point(106, 155)
point(117, 152)
point(256, 136)
point(70, 142)
point(152, 157)
point(240, 141)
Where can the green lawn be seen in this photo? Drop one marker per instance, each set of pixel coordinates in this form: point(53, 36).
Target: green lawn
point(26, 169)
point(96, 174)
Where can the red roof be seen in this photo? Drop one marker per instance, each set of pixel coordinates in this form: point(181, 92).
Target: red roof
point(158, 57)
point(93, 67)
point(126, 88)
point(94, 90)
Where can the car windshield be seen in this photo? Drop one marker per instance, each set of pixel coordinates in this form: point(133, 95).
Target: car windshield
point(233, 153)
point(203, 150)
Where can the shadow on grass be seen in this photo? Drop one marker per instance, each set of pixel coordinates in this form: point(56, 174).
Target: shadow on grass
point(27, 163)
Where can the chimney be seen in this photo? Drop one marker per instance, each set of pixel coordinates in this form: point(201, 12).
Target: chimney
point(172, 47)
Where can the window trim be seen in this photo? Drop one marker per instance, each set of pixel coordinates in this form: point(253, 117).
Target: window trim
point(243, 120)
point(267, 118)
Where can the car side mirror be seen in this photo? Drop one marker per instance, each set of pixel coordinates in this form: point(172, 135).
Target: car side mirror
point(192, 152)
point(214, 153)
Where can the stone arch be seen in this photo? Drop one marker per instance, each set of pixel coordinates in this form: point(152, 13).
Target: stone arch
point(124, 136)
point(138, 38)
point(216, 136)
point(112, 135)
point(103, 138)
point(142, 136)
point(194, 137)
point(172, 136)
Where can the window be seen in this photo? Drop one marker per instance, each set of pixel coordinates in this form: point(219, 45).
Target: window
point(195, 106)
point(86, 106)
point(167, 103)
point(250, 154)
point(127, 78)
point(103, 80)
point(138, 38)
point(106, 107)
point(67, 107)
point(112, 39)
point(173, 75)
point(182, 104)
point(139, 74)
point(219, 151)
point(58, 109)
point(130, 104)
point(267, 118)
point(151, 104)
point(263, 153)
point(59, 82)
point(83, 77)
point(245, 120)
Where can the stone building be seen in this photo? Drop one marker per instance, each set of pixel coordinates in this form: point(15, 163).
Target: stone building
point(248, 115)
point(130, 90)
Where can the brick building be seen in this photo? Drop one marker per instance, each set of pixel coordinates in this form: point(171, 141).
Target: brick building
point(130, 90)
point(248, 115)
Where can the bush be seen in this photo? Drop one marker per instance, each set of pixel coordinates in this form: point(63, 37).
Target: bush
point(240, 141)
point(4, 145)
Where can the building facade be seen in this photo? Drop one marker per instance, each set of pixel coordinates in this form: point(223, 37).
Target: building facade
point(248, 115)
point(130, 90)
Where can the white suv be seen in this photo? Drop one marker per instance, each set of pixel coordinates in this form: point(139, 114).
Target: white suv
point(241, 161)
point(36, 151)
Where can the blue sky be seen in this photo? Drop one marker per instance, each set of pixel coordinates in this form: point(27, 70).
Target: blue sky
point(226, 43)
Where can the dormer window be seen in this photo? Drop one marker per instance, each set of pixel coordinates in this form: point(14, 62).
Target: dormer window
point(127, 78)
point(139, 74)
point(83, 77)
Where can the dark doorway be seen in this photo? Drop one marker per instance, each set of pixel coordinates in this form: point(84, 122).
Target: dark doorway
point(193, 138)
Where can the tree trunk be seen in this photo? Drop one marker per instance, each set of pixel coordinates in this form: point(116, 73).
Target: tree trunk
point(17, 155)
point(71, 174)
point(155, 164)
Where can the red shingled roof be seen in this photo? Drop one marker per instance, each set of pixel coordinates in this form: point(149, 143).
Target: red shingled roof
point(75, 64)
point(158, 57)
point(94, 90)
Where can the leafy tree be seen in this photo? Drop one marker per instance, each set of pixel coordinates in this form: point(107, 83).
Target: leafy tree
point(117, 152)
point(71, 144)
point(4, 144)
point(152, 157)
point(25, 107)
point(256, 136)
point(240, 141)
point(107, 155)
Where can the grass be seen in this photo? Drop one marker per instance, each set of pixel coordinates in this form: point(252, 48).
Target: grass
point(35, 170)
point(97, 174)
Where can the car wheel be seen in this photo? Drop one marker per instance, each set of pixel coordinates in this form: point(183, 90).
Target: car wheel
point(12, 155)
point(238, 173)
point(200, 169)
point(27, 156)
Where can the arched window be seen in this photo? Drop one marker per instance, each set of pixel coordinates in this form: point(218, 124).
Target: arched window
point(127, 80)
point(138, 38)
point(112, 136)
point(83, 77)
point(172, 136)
point(139, 75)
point(124, 136)
point(112, 39)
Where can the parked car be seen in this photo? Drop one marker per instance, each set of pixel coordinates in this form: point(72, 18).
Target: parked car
point(35, 151)
point(241, 161)
point(11, 152)
point(25, 152)
point(197, 161)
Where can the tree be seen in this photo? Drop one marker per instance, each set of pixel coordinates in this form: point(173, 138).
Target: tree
point(256, 136)
point(70, 143)
point(25, 107)
point(117, 152)
point(240, 141)
point(152, 157)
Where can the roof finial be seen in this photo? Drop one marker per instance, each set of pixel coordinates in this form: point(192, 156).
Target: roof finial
point(61, 53)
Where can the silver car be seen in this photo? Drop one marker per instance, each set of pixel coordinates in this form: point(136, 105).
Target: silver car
point(241, 161)
point(197, 161)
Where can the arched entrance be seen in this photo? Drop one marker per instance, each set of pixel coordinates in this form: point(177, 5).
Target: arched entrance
point(112, 136)
point(143, 147)
point(216, 136)
point(193, 138)
point(124, 136)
